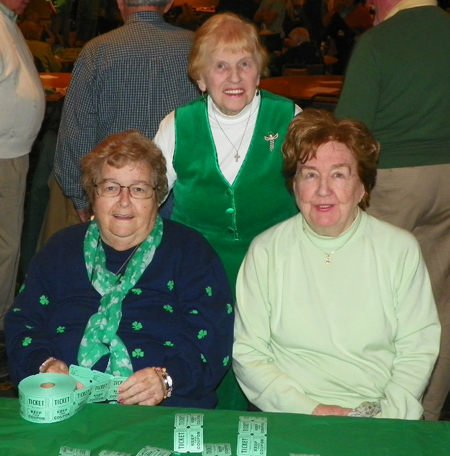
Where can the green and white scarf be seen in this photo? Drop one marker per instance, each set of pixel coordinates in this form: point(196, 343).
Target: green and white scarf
point(100, 338)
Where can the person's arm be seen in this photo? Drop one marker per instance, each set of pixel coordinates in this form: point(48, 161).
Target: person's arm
point(266, 14)
point(362, 86)
point(28, 342)
point(52, 37)
point(165, 140)
point(416, 341)
point(264, 384)
point(77, 134)
point(201, 354)
point(53, 65)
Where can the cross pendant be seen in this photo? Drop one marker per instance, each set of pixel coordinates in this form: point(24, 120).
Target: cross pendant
point(237, 157)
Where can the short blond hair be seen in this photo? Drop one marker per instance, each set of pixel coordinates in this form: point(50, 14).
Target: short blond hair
point(230, 32)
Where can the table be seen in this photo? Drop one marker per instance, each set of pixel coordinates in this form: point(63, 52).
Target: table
point(130, 428)
point(305, 88)
point(55, 81)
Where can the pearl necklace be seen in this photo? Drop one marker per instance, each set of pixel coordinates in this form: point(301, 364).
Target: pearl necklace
point(236, 156)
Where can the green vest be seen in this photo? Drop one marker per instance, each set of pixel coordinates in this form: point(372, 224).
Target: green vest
point(230, 216)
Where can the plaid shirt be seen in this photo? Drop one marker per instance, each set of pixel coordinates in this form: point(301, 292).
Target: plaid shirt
point(131, 77)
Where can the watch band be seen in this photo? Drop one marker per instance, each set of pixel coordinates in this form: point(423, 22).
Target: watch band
point(167, 380)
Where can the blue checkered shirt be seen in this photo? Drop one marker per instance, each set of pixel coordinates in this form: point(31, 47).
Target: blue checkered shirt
point(131, 77)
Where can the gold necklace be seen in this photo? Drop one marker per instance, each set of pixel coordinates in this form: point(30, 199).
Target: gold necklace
point(328, 255)
point(236, 156)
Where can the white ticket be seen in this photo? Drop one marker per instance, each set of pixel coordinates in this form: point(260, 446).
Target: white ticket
point(217, 449)
point(153, 451)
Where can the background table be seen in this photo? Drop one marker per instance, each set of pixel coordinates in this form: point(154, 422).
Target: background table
point(55, 81)
point(305, 89)
point(129, 428)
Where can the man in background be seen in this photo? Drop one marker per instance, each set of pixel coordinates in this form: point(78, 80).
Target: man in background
point(397, 82)
point(22, 106)
point(131, 77)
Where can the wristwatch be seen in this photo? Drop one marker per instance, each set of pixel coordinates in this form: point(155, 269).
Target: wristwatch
point(167, 380)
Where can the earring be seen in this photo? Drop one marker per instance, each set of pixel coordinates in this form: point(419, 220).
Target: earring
point(204, 96)
point(257, 92)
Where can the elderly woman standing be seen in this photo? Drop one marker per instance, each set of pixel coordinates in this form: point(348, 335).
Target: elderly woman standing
point(223, 150)
point(335, 313)
point(158, 284)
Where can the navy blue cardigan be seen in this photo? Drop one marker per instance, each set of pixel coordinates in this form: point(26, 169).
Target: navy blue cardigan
point(178, 316)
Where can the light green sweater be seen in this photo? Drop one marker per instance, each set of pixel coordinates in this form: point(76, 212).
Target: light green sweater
point(362, 328)
point(397, 82)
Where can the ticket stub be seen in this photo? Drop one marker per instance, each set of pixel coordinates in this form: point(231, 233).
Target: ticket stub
point(99, 392)
point(253, 418)
point(188, 440)
point(217, 449)
point(99, 385)
point(188, 433)
point(251, 445)
point(188, 419)
point(114, 383)
point(303, 454)
point(153, 451)
point(81, 397)
point(251, 425)
point(113, 453)
point(67, 451)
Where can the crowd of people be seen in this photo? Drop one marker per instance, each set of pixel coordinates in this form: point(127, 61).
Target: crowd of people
point(219, 247)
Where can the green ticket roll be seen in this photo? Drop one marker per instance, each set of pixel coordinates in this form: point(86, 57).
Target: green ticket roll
point(48, 398)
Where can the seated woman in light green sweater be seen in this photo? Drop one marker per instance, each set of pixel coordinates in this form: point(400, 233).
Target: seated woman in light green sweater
point(335, 313)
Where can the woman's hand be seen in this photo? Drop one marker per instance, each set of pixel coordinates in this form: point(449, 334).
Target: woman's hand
point(324, 410)
point(144, 387)
point(56, 366)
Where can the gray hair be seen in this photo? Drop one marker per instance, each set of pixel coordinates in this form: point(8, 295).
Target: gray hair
point(157, 3)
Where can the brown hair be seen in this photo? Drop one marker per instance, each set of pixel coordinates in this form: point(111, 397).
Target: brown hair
point(122, 149)
point(312, 128)
point(231, 32)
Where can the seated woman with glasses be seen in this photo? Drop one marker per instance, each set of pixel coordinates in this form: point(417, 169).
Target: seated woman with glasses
point(127, 293)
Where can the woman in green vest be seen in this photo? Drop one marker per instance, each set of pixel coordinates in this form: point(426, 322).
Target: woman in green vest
point(223, 150)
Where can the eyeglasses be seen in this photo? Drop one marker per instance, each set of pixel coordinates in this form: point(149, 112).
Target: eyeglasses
point(112, 189)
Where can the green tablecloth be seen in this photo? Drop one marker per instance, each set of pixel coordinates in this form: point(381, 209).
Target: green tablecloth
point(129, 428)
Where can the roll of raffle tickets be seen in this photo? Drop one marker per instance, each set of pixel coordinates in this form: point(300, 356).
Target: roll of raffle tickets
point(49, 398)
